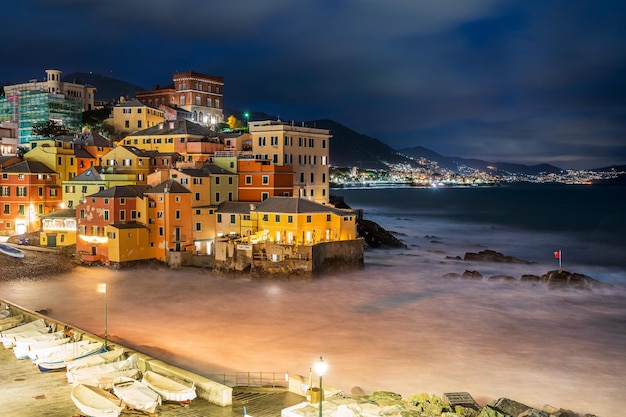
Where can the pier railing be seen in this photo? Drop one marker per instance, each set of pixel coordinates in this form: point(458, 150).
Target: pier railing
point(258, 379)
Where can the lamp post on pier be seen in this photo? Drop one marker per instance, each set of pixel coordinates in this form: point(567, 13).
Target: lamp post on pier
point(320, 367)
point(102, 288)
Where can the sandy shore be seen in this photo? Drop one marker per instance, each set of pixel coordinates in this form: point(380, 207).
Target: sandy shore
point(37, 264)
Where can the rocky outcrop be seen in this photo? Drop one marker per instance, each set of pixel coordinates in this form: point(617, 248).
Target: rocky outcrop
point(562, 279)
point(493, 256)
point(377, 237)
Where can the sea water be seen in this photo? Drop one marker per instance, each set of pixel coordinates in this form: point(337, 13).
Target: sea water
point(398, 324)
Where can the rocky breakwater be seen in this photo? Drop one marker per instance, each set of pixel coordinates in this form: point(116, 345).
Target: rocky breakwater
point(557, 279)
point(456, 404)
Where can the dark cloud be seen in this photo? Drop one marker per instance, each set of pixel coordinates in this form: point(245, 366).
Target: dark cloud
point(521, 81)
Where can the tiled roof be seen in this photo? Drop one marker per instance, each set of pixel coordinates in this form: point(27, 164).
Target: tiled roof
point(169, 186)
point(176, 127)
point(32, 167)
point(295, 205)
point(65, 213)
point(92, 174)
point(234, 207)
point(130, 225)
point(122, 191)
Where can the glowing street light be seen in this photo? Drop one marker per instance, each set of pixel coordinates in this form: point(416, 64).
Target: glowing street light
point(247, 116)
point(320, 367)
point(102, 289)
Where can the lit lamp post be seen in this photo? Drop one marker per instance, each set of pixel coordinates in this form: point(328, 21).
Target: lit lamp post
point(320, 367)
point(247, 116)
point(102, 288)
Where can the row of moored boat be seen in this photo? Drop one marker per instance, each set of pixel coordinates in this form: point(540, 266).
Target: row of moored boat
point(105, 382)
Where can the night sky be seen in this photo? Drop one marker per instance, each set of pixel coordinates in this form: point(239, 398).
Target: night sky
point(520, 81)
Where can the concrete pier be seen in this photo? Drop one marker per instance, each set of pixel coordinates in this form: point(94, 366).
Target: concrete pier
point(25, 391)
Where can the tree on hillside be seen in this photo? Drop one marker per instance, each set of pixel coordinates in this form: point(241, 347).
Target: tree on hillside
point(49, 129)
point(94, 118)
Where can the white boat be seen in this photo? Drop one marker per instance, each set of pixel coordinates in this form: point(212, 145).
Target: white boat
point(49, 352)
point(58, 359)
point(170, 389)
point(96, 402)
point(136, 395)
point(39, 337)
point(11, 322)
point(31, 328)
point(11, 251)
point(109, 356)
point(10, 340)
point(23, 350)
point(4, 312)
point(103, 375)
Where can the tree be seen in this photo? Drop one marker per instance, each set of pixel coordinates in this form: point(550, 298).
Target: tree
point(234, 123)
point(49, 129)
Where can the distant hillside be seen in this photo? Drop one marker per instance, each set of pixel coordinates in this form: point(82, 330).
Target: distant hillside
point(349, 148)
point(107, 89)
point(461, 164)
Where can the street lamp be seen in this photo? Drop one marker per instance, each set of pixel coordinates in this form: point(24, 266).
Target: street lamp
point(320, 367)
point(102, 288)
point(247, 116)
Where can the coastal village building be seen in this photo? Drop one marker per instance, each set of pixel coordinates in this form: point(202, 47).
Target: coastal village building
point(259, 180)
point(92, 181)
point(140, 163)
point(34, 102)
point(171, 222)
point(194, 142)
point(28, 190)
point(113, 206)
point(305, 149)
point(56, 154)
point(8, 138)
point(199, 94)
point(58, 228)
point(133, 115)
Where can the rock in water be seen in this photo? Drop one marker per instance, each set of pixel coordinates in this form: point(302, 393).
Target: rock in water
point(563, 279)
point(493, 256)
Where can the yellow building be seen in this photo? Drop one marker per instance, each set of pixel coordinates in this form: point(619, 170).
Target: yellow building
point(129, 242)
point(128, 160)
point(233, 220)
point(306, 149)
point(92, 181)
point(292, 220)
point(57, 155)
point(203, 222)
point(133, 116)
point(58, 229)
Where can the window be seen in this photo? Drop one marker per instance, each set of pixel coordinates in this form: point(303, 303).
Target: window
point(328, 217)
point(21, 191)
point(160, 215)
point(217, 197)
point(233, 219)
point(122, 215)
point(197, 196)
point(312, 177)
point(266, 179)
point(265, 217)
point(139, 124)
point(217, 180)
point(265, 196)
point(161, 231)
point(230, 196)
point(177, 215)
point(198, 227)
point(230, 180)
point(20, 209)
point(219, 217)
point(82, 214)
point(308, 219)
point(7, 209)
point(122, 201)
point(248, 179)
point(106, 214)
point(6, 191)
point(323, 177)
point(289, 219)
point(277, 218)
point(311, 143)
point(133, 214)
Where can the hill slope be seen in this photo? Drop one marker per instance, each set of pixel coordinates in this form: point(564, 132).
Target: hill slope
point(107, 89)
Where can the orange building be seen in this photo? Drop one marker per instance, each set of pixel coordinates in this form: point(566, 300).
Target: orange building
point(170, 228)
point(28, 190)
point(260, 179)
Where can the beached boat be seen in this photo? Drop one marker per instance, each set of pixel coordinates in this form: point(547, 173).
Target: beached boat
point(11, 251)
point(23, 350)
point(4, 312)
point(11, 322)
point(57, 360)
point(136, 395)
point(31, 328)
point(103, 375)
point(169, 388)
point(9, 340)
point(96, 402)
point(108, 356)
